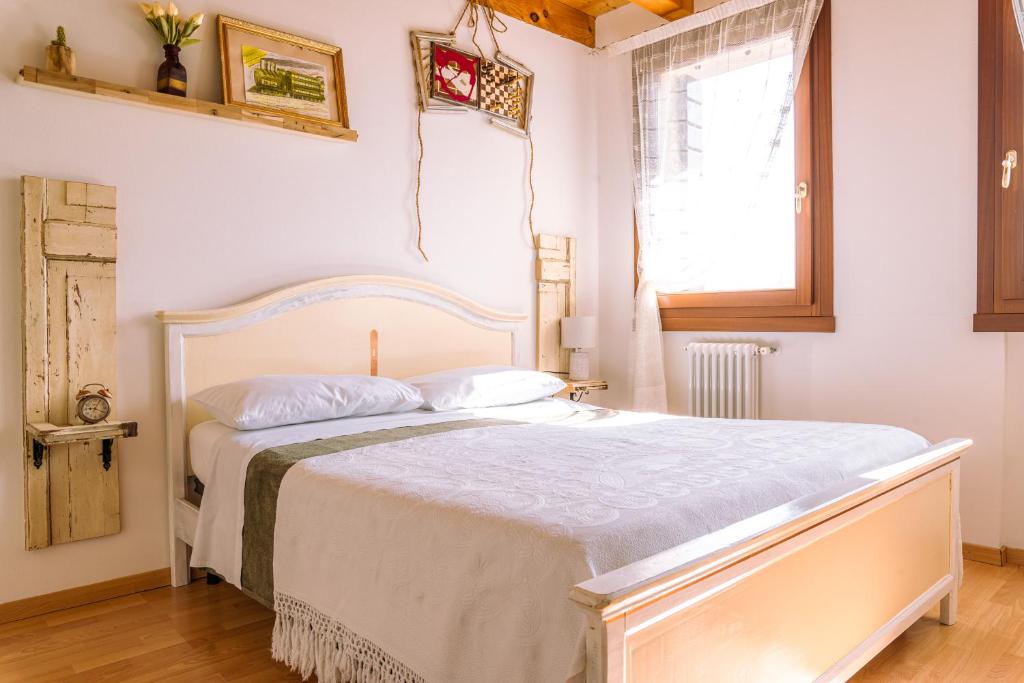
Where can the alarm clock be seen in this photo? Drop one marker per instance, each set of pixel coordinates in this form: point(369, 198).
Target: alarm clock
point(93, 403)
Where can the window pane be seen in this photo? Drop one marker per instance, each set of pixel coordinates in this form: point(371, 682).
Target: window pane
point(723, 210)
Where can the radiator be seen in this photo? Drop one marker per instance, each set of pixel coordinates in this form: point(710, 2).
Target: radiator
point(725, 379)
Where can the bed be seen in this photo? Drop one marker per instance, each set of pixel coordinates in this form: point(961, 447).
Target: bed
point(585, 566)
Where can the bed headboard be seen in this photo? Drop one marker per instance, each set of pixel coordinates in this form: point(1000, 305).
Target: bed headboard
point(330, 326)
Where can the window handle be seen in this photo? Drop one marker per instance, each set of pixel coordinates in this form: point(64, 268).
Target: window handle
point(801, 195)
point(1009, 163)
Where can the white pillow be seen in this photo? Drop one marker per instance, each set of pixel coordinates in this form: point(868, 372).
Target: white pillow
point(275, 400)
point(483, 387)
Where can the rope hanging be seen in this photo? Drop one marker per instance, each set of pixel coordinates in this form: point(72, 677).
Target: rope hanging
point(495, 25)
point(475, 12)
point(533, 191)
point(419, 185)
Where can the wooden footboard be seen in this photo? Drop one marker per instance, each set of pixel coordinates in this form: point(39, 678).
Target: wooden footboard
point(808, 591)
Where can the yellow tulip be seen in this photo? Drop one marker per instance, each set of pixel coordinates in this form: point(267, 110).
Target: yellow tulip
point(146, 8)
point(158, 10)
point(197, 18)
point(172, 10)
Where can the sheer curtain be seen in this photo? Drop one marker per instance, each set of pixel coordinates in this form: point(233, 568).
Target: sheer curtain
point(713, 162)
point(1018, 11)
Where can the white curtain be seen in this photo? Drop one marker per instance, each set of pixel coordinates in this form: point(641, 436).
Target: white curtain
point(713, 163)
point(1018, 11)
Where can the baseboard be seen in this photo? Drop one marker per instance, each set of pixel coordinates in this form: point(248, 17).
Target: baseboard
point(84, 595)
point(1000, 557)
point(985, 554)
point(1015, 556)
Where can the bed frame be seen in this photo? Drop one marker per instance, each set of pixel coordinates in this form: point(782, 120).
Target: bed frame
point(811, 590)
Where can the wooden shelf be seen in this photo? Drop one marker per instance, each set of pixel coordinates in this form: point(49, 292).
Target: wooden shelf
point(88, 87)
point(48, 434)
point(44, 435)
point(577, 385)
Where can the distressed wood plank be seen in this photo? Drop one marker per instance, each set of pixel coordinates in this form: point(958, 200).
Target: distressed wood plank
point(92, 335)
point(79, 241)
point(101, 196)
point(551, 15)
point(57, 208)
point(34, 359)
point(57, 412)
point(553, 271)
point(100, 216)
point(76, 194)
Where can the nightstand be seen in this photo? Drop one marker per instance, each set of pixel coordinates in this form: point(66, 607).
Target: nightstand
point(576, 389)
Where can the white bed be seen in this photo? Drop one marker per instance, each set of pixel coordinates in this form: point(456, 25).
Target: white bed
point(640, 484)
point(745, 582)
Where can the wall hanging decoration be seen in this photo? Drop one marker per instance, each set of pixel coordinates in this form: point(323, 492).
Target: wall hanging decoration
point(451, 79)
point(59, 57)
point(176, 32)
point(265, 71)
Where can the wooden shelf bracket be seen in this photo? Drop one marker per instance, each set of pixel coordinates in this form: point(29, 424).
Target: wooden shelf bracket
point(44, 435)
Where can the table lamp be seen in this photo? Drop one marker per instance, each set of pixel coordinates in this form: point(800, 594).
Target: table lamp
point(578, 333)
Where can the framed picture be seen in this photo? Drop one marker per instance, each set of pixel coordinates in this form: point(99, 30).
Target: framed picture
point(506, 93)
point(455, 76)
point(272, 72)
point(422, 47)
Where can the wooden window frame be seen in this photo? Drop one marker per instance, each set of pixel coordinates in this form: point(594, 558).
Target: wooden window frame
point(808, 307)
point(1000, 212)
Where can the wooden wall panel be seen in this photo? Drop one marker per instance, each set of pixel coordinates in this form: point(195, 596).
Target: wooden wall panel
point(556, 299)
point(70, 315)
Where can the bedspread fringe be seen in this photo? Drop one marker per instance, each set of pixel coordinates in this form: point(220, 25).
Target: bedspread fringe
point(310, 642)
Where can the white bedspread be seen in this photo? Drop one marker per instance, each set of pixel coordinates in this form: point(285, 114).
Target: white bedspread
point(453, 554)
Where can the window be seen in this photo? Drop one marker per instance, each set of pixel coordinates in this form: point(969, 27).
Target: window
point(1000, 163)
point(732, 251)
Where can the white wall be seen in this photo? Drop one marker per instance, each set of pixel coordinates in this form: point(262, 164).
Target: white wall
point(210, 213)
point(905, 145)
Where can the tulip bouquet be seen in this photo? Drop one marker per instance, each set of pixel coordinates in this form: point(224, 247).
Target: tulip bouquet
point(173, 28)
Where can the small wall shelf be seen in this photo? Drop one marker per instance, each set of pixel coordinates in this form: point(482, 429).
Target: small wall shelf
point(88, 87)
point(44, 435)
point(578, 388)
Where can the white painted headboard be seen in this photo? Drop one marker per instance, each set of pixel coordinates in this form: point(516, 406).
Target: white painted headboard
point(324, 327)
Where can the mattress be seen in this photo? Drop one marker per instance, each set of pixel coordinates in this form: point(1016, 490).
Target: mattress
point(474, 532)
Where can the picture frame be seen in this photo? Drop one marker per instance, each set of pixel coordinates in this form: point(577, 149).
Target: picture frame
point(519, 123)
point(421, 49)
point(269, 72)
point(455, 75)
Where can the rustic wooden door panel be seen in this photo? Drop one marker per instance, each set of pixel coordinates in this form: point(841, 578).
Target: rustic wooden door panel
point(69, 251)
point(556, 299)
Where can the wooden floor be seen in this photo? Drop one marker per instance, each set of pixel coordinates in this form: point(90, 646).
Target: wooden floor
point(214, 633)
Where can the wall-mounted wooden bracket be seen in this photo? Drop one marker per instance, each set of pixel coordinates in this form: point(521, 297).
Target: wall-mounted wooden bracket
point(44, 435)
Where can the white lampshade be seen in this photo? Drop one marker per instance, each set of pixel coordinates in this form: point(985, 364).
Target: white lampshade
point(579, 332)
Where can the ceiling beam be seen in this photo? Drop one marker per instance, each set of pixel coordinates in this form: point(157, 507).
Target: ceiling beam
point(667, 9)
point(596, 8)
point(551, 15)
